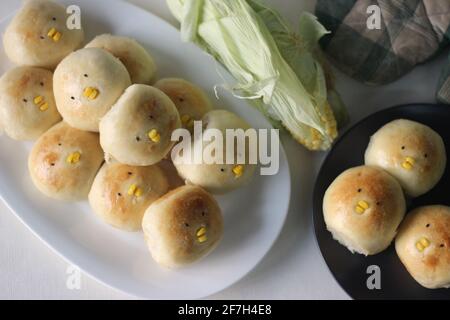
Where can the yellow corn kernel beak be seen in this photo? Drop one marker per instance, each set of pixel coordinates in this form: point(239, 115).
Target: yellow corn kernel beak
point(54, 34)
point(154, 135)
point(185, 119)
point(408, 164)
point(43, 106)
point(238, 171)
point(201, 235)
point(362, 206)
point(73, 157)
point(91, 93)
point(38, 100)
point(134, 190)
point(422, 244)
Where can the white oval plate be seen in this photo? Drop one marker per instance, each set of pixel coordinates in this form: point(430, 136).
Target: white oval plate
point(253, 215)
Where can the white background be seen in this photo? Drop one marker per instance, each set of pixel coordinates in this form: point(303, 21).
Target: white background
point(293, 269)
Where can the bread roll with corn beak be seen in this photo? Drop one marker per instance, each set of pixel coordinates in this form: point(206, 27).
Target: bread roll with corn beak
point(87, 83)
point(411, 152)
point(183, 226)
point(136, 59)
point(191, 102)
point(120, 193)
point(64, 161)
point(38, 35)
point(27, 105)
point(137, 130)
point(363, 208)
point(217, 178)
point(423, 246)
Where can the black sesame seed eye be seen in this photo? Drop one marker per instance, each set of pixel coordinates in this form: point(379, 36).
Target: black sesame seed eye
point(138, 139)
point(378, 203)
point(54, 19)
point(85, 75)
point(119, 194)
point(130, 173)
point(359, 190)
point(442, 245)
point(426, 155)
point(60, 144)
point(25, 100)
point(403, 147)
point(42, 84)
point(186, 225)
point(181, 99)
point(222, 169)
point(203, 213)
point(42, 37)
point(52, 164)
point(73, 98)
point(428, 225)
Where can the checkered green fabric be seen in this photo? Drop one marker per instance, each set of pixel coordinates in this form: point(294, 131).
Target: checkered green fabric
point(412, 32)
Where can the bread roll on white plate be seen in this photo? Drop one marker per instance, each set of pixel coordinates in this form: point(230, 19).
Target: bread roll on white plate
point(27, 105)
point(138, 129)
point(183, 226)
point(137, 59)
point(423, 245)
point(64, 161)
point(363, 208)
point(216, 178)
point(411, 152)
point(86, 84)
point(120, 193)
point(38, 35)
point(191, 102)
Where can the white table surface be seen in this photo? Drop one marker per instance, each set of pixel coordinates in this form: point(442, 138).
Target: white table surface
point(293, 269)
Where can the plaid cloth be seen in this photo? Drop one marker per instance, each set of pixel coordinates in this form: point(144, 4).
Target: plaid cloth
point(412, 32)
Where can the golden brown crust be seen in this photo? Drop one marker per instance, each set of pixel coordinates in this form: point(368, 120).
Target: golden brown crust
point(431, 266)
point(172, 222)
point(370, 231)
point(53, 174)
point(21, 117)
point(110, 198)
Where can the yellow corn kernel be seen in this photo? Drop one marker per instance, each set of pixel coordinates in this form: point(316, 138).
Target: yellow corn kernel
point(202, 239)
point(73, 158)
point(138, 192)
point(38, 100)
point(422, 244)
point(411, 160)
point(363, 204)
point(44, 106)
point(51, 32)
point(408, 164)
point(154, 135)
point(185, 118)
point(91, 93)
point(201, 232)
point(238, 170)
point(132, 189)
point(56, 37)
point(359, 210)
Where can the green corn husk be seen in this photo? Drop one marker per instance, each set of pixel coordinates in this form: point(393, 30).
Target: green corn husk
point(280, 71)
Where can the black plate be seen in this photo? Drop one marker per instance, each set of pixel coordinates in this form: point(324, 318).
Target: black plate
point(350, 270)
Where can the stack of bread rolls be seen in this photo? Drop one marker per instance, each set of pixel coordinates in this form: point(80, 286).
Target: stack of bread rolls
point(85, 105)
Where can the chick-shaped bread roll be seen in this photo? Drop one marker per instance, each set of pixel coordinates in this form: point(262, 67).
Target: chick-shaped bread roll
point(191, 102)
point(137, 60)
point(183, 226)
point(64, 161)
point(411, 152)
point(120, 193)
point(423, 245)
point(217, 178)
point(363, 208)
point(138, 129)
point(27, 105)
point(38, 35)
point(86, 84)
